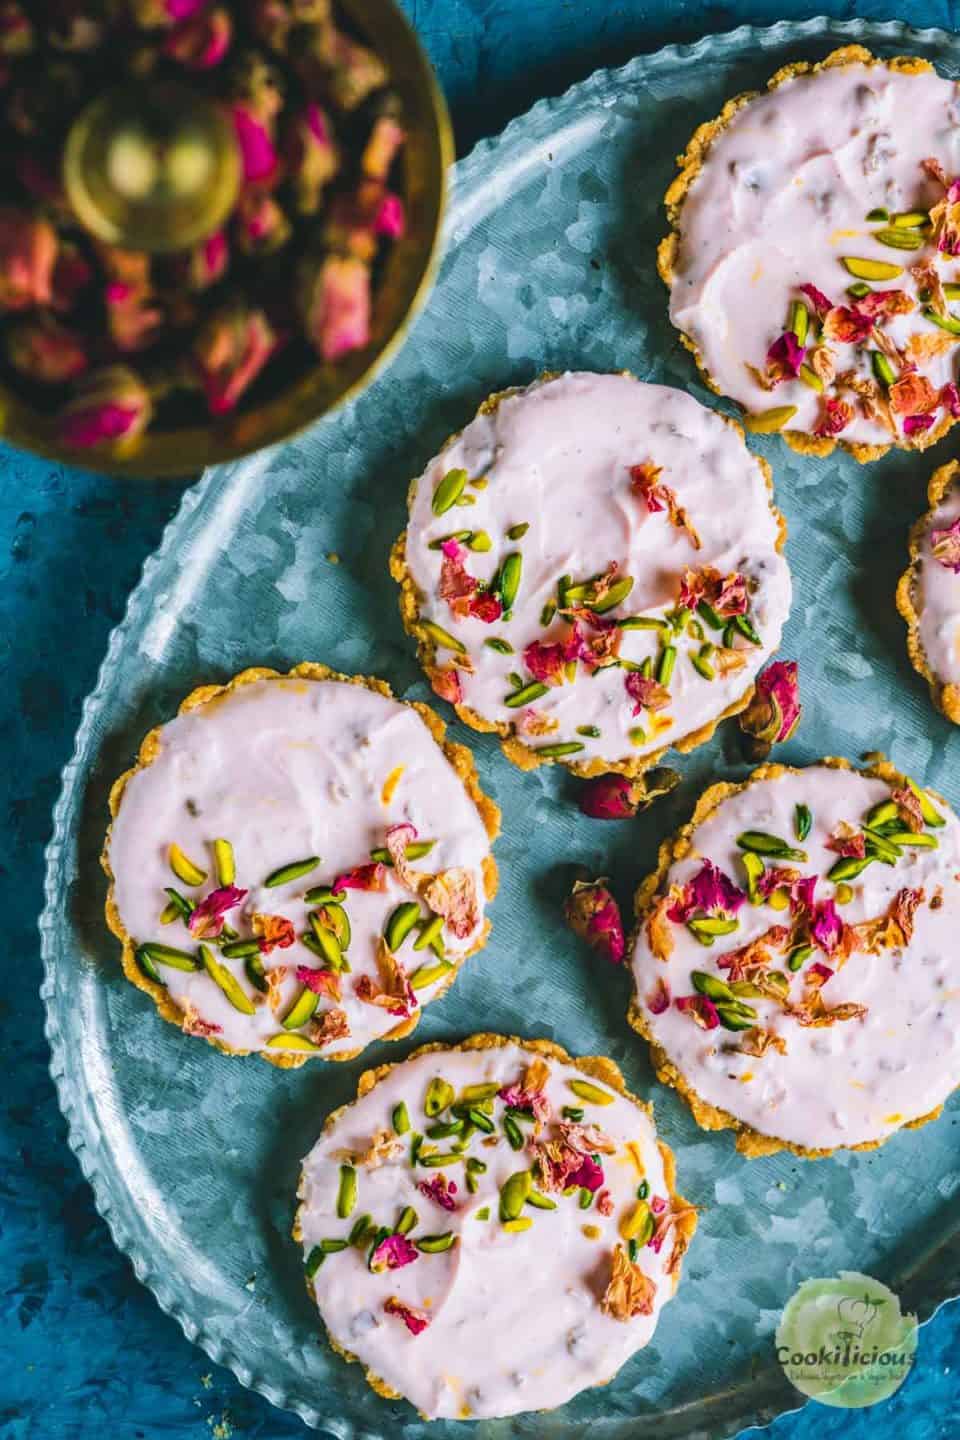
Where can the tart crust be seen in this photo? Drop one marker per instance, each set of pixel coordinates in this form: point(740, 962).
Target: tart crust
point(526, 757)
point(459, 757)
point(597, 1067)
point(750, 1142)
point(690, 164)
point(945, 697)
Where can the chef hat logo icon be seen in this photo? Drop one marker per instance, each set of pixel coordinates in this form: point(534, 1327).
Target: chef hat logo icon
point(855, 1316)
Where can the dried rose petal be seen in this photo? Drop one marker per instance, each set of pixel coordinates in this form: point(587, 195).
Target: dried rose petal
point(945, 546)
point(111, 407)
point(700, 1009)
point(393, 1253)
point(848, 841)
point(440, 1190)
point(912, 394)
point(916, 424)
point(335, 304)
point(548, 661)
point(312, 156)
point(827, 928)
point(207, 917)
point(710, 892)
point(230, 351)
point(321, 982)
point(207, 262)
point(201, 42)
point(950, 399)
point(881, 304)
point(849, 326)
point(257, 151)
point(594, 915)
point(534, 1102)
point(261, 226)
point(363, 877)
point(835, 416)
point(415, 1320)
point(588, 1175)
point(818, 974)
point(658, 999)
point(445, 682)
point(272, 932)
point(817, 299)
point(380, 151)
point(132, 317)
point(645, 692)
point(453, 894)
point(784, 358)
point(28, 253)
point(727, 594)
point(42, 349)
point(151, 13)
point(774, 711)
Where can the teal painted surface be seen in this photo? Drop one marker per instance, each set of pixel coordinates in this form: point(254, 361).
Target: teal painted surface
point(87, 1350)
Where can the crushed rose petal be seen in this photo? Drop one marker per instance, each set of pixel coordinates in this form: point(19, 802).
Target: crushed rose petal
point(415, 1320)
point(207, 917)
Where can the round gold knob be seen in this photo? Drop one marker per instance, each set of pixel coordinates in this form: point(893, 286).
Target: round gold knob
point(151, 168)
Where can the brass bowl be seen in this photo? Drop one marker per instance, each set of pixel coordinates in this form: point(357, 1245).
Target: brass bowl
point(404, 283)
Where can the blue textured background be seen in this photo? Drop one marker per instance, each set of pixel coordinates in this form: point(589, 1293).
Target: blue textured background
point(86, 1349)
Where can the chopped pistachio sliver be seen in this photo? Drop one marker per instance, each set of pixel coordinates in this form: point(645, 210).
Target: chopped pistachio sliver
point(428, 975)
point(592, 1094)
point(864, 269)
point(416, 850)
point(438, 1096)
point(514, 1193)
point(638, 1224)
point(514, 1226)
point(945, 322)
point(848, 868)
point(900, 238)
point(878, 216)
point(347, 1192)
point(931, 815)
point(502, 647)
point(480, 542)
point(810, 378)
point(508, 580)
point(448, 491)
point(560, 748)
point(483, 1214)
point(802, 821)
point(301, 1010)
point(541, 1202)
point(760, 843)
point(286, 873)
point(513, 1133)
point(224, 861)
point(283, 1041)
point(400, 924)
point(226, 982)
point(184, 868)
point(882, 369)
point(407, 1220)
point(436, 1244)
point(798, 955)
point(637, 735)
point(666, 663)
point(711, 985)
point(592, 732)
point(430, 932)
point(169, 913)
point(517, 532)
point(525, 695)
point(753, 867)
point(766, 422)
point(858, 289)
point(179, 902)
point(327, 943)
point(799, 320)
point(400, 1119)
point(843, 893)
point(442, 638)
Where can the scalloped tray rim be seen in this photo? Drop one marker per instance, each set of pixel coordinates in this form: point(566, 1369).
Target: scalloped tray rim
point(464, 174)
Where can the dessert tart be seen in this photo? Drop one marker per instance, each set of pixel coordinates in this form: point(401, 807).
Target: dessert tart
point(298, 864)
point(593, 570)
point(928, 596)
point(812, 261)
point(795, 962)
point(492, 1227)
